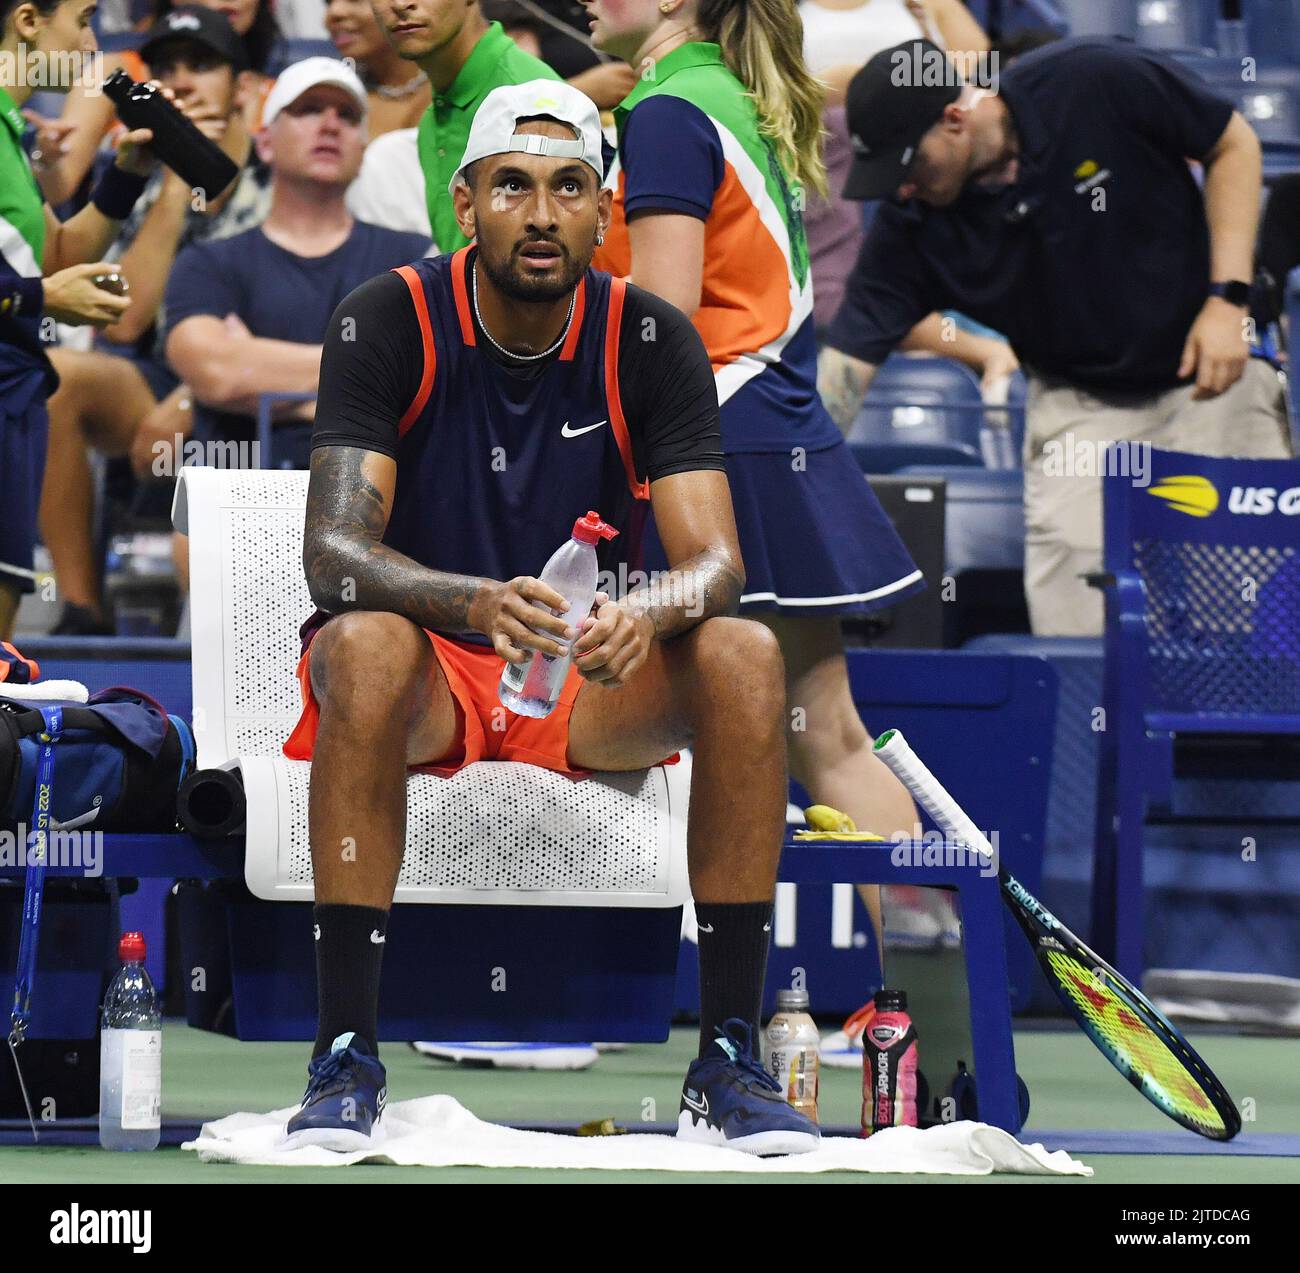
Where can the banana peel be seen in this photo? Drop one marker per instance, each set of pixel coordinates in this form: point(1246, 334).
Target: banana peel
point(830, 824)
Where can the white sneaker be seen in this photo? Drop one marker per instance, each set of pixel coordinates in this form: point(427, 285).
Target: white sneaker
point(843, 1049)
point(841, 1052)
point(513, 1056)
point(912, 927)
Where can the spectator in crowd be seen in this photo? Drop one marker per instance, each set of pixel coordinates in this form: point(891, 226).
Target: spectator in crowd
point(465, 58)
point(49, 270)
point(712, 148)
point(398, 93)
point(556, 32)
point(1060, 209)
point(69, 144)
point(246, 315)
point(123, 398)
point(839, 36)
point(406, 174)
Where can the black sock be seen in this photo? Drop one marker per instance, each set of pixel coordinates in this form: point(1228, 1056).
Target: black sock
point(733, 960)
point(348, 959)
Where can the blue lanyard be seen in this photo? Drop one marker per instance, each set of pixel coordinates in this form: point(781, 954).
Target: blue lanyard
point(38, 853)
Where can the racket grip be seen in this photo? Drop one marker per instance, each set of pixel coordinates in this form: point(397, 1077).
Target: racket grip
point(929, 792)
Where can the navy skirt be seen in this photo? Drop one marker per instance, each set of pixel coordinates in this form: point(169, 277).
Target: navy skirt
point(815, 540)
point(24, 432)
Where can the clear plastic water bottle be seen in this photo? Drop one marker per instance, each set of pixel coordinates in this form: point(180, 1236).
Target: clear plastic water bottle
point(130, 1055)
point(533, 688)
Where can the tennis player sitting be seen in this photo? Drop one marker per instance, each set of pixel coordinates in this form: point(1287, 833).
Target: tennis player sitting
point(471, 407)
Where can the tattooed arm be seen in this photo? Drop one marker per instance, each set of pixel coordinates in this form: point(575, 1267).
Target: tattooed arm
point(349, 500)
point(698, 530)
point(706, 577)
point(843, 382)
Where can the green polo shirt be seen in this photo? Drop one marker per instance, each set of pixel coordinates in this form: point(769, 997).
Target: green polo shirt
point(444, 128)
point(22, 247)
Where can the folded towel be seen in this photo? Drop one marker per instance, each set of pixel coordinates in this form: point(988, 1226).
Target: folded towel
point(437, 1131)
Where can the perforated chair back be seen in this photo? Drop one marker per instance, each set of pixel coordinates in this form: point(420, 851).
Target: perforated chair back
point(1216, 544)
point(248, 598)
point(497, 832)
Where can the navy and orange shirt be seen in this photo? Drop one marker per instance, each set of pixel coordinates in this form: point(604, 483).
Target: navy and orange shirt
point(496, 458)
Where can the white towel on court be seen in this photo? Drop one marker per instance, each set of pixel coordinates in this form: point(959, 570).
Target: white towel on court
point(437, 1131)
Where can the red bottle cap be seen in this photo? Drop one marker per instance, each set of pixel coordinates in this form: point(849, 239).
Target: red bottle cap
point(131, 948)
point(590, 529)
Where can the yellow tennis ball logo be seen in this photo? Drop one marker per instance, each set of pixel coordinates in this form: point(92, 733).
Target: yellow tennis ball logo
point(1189, 493)
point(1086, 169)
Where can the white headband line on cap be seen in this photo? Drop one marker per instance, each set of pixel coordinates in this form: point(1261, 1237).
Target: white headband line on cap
point(539, 144)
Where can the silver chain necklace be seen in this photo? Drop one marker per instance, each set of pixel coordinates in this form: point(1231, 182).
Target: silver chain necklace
point(397, 92)
point(509, 353)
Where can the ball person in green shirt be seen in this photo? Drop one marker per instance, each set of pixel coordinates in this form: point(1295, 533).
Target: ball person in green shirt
point(465, 58)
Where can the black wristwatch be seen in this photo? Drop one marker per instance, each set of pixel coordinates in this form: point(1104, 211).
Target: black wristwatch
point(1234, 291)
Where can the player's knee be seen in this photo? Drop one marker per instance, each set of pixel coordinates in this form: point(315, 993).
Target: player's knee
point(368, 658)
point(740, 664)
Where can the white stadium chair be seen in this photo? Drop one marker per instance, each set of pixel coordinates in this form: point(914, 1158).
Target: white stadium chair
point(502, 833)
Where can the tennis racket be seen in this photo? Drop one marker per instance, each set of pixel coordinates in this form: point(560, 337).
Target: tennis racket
point(1137, 1039)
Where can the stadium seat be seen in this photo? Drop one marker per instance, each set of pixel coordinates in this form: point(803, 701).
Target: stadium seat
point(984, 551)
point(1270, 99)
point(984, 527)
point(1177, 24)
point(1101, 17)
point(918, 410)
point(1202, 583)
point(1272, 29)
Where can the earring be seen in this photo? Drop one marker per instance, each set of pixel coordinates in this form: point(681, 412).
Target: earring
point(600, 237)
point(665, 6)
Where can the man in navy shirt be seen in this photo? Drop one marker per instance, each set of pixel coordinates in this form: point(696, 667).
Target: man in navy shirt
point(1061, 210)
point(246, 315)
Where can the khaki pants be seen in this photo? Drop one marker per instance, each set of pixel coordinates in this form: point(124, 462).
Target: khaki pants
point(1066, 434)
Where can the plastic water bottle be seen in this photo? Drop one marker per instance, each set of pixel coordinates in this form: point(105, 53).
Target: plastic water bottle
point(130, 1055)
point(794, 1051)
point(889, 1075)
point(533, 688)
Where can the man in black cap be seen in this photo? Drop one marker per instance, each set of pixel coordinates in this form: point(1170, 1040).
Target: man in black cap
point(123, 398)
point(1056, 204)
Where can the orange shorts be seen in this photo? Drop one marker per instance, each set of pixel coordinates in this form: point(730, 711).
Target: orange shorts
point(485, 730)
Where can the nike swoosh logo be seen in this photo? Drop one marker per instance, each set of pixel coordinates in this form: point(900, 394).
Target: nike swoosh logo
point(315, 931)
point(705, 928)
point(767, 928)
point(375, 939)
point(700, 1107)
point(577, 433)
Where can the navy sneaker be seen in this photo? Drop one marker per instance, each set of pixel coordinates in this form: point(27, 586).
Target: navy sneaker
point(729, 1099)
point(346, 1091)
